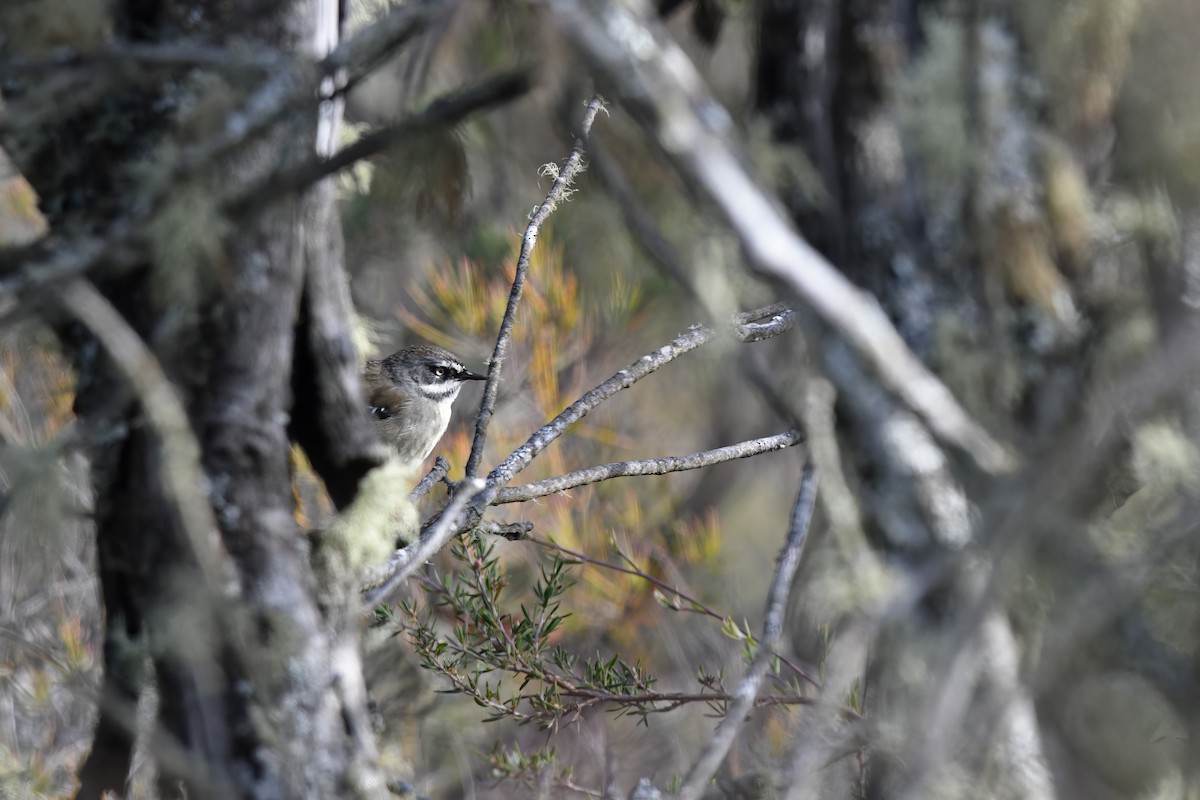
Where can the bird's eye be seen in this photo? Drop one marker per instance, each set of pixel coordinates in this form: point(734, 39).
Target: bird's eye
point(380, 412)
point(439, 372)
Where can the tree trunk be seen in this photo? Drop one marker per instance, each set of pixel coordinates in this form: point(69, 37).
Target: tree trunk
point(254, 654)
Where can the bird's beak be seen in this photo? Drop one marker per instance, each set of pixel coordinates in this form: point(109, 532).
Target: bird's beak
point(467, 375)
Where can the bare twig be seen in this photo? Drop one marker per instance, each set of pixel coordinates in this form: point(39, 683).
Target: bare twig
point(513, 531)
point(406, 561)
point(746, 696)
point(520, 458)
point(659, 85)
point(558, 191)
point(649, 466)
point(440, 467)
point(539, 441)
point(762, 323)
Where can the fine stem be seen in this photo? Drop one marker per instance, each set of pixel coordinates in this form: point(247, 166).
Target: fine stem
point(572, 167)
point(745, 698)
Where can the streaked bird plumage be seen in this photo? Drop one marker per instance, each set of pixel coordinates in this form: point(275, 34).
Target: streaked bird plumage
point(410, 394)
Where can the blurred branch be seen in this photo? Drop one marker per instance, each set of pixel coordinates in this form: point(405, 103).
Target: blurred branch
point(649, 466)
point(367, 49)
point(559, 191)
point(444, 112)
point(920, 499)
point(55, 258)
point(405, 561)
point(140, 55)
point(637, 217)
point(286, 88)
point(744, 698)
point(183, 475)
point(657, 82)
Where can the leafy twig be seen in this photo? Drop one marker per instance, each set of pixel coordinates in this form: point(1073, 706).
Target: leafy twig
point(558, 191)
point(692, 604)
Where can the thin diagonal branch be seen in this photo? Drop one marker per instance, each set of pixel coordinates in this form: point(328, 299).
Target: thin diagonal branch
point(183, 475)
point(539, 441)
point(558, 191)
point(649, 466)
point(661, 88)
point(446, 111)
point(406, 561)
point(777, 598)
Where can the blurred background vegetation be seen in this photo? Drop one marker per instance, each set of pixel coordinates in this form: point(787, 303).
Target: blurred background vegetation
point(1016, 183)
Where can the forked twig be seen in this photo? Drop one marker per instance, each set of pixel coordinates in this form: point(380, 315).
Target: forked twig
point(623, 379)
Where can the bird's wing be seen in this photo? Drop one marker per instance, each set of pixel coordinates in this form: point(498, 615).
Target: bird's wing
point(381, 392)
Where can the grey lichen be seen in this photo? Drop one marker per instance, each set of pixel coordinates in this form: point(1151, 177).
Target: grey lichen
point(364, 534)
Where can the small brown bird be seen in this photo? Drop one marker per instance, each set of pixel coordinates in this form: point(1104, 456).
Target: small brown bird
point(410, 393)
